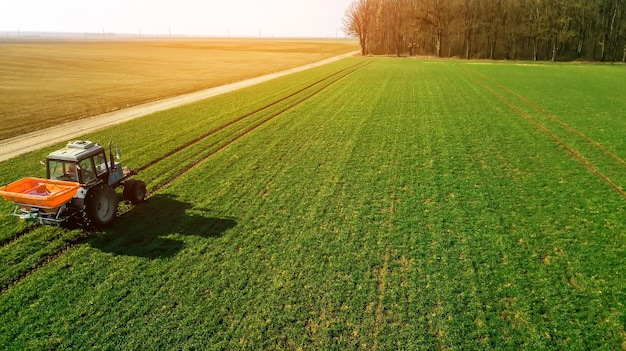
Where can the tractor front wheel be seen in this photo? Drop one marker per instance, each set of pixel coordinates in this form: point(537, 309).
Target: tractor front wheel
point(134, 191)
point(101, 205)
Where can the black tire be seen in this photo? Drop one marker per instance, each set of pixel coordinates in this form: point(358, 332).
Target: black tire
point(101, 205)
point(134, 191)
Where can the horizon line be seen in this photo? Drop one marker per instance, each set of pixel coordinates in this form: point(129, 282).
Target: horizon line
point(44, 34)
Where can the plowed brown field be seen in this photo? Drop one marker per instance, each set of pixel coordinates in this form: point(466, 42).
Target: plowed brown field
point(43, 84)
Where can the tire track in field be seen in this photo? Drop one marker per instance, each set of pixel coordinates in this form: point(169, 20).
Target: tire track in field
point(86, 234)
point(337, 77)
point(555, 119)
point(573, 153)
point(244, 117)
point(384, 272)
point(382, 275)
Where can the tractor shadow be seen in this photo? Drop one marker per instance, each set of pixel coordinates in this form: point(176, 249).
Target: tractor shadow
point(144, 230)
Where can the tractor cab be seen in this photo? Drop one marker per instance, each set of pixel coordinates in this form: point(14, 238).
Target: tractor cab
point(83, 162)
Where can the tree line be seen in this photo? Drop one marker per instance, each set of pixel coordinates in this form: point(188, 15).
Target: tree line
point(495, 29)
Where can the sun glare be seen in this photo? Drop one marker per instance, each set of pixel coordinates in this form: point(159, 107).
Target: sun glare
point(275, 18)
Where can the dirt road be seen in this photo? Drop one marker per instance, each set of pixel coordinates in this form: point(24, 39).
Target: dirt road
point(36, 140)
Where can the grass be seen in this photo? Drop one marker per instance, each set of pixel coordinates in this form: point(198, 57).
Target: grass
point(412, 204)
point(43, 84)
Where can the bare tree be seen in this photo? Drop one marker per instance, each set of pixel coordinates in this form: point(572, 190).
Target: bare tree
point(494, 20)
point(359, 20)
point(399, 16)
point(537, 29)
point(559, 25)
point(415, 25)
point(439, 16)
point(470, 25)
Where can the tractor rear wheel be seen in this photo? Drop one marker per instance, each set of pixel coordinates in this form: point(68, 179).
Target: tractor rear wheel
point(134, 191)
point(101, 205)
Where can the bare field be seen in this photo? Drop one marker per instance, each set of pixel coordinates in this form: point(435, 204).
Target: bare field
point(46, 83)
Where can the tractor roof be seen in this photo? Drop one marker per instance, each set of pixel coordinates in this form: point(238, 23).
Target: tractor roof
point(76, 151)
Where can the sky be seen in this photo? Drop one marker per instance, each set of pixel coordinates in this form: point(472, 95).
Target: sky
point(266, 18)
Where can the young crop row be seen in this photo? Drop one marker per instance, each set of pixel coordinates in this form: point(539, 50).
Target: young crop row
point(406, 206)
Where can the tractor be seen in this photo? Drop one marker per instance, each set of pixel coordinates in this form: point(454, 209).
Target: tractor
point(80, 185)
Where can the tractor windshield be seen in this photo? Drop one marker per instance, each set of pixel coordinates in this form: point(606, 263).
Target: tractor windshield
point(62, 170)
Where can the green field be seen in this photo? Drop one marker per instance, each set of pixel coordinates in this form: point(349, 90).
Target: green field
point(372, 203)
